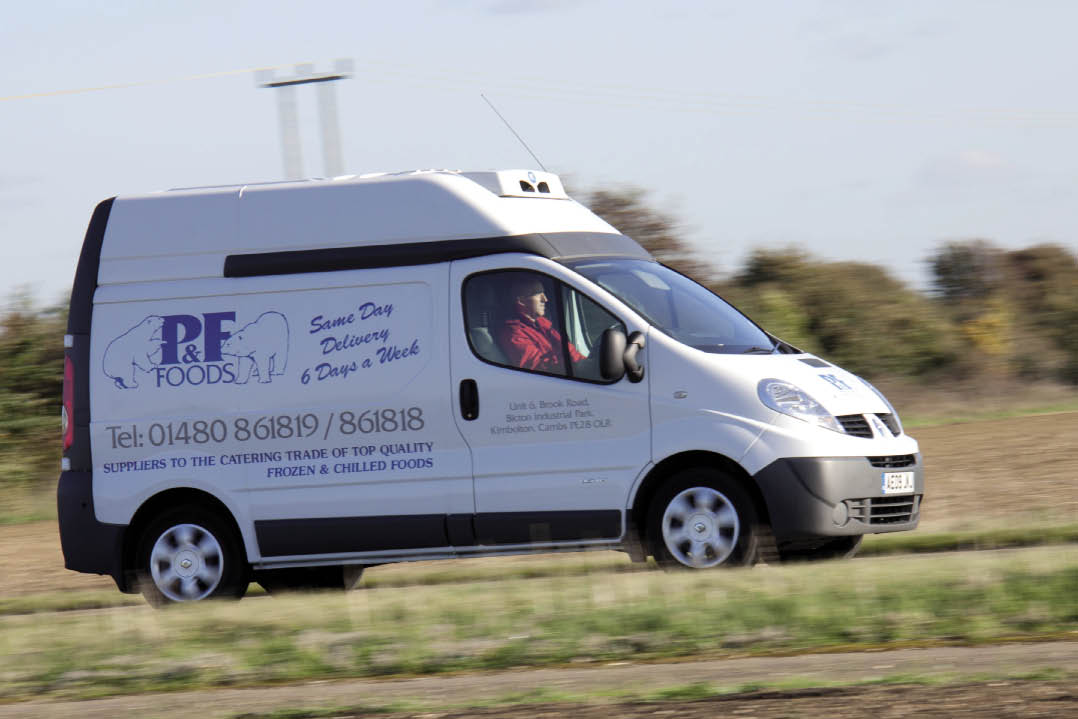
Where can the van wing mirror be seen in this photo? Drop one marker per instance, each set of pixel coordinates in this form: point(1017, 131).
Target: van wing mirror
point(617, 355)
point(634, 369)
point(612, 354)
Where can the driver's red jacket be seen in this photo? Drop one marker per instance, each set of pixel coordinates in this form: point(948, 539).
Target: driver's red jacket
point(534, 344)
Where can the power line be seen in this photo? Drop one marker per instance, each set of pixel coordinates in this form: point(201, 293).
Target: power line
point(628, 96)
point(138, 83)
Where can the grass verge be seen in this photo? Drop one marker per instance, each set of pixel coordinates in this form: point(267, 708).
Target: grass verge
point(903, 601)
point(573, 565)
point(983, 539)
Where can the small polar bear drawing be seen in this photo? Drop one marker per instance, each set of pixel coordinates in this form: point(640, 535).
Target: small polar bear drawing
point(137, 350)
point(260, 347)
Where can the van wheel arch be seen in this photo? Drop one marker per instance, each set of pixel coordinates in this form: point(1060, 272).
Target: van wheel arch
point(674, 464)
point(153, 507)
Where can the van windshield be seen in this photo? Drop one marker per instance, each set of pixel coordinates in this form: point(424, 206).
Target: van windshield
point(683, 309)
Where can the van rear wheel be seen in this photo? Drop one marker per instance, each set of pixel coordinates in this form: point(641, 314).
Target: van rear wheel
point(702, 518)
point(190, 553)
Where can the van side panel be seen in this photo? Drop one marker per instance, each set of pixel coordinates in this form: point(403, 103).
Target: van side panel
point(305, 408)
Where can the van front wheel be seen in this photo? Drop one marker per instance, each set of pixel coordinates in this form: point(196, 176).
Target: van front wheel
point(702, 519)
point(187, 554)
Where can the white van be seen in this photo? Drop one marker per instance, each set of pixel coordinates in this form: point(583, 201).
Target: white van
point(288, 382)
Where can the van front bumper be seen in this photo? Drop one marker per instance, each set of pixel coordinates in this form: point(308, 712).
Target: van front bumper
point(89, 545)
point(838, 496)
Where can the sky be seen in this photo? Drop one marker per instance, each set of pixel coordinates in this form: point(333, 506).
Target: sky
point(856, 131)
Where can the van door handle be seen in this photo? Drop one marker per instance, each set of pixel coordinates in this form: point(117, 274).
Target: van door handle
point(469, 399)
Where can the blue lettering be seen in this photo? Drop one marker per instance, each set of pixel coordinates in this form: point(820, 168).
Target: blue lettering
point(327, 371)
point(196, 374)
point(215, 336)
point(393, 353)
point(318, 324)
point(170, 341)
point(369, 309)
point(174, 376)
point(331, 343)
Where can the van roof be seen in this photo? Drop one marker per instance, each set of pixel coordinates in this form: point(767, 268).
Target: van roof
point(504, 183)
point(188, 233)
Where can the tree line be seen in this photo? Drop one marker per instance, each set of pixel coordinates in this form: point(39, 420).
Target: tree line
point(990, 312)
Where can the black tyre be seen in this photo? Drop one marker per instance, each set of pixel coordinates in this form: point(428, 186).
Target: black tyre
point(702, 518)
point(821, 549)
point(189, 553)
point(307, 579)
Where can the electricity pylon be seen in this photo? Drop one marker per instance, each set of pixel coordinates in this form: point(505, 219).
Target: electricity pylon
point(291, 150)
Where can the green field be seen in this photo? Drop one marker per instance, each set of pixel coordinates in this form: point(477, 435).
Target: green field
point(551, 620)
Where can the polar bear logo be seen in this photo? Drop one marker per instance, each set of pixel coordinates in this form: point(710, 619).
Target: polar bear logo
point(260, 347)
point(137, 350)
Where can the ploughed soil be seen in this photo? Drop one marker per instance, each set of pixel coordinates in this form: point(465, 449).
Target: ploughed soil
point(1004, 700)
point(997, 699)
point(974, 700)
point(1017, 472)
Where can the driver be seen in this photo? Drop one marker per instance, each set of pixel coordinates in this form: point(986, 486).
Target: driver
point(528, 338)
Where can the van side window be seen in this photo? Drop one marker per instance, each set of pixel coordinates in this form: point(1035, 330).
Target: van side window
point(585, 322)
point(515, 319)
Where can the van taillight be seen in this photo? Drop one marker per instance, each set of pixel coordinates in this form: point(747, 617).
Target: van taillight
point(67, 416)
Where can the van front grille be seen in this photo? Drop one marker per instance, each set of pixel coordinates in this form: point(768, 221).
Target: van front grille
point(855, 424)
point(894, 461)
point(885, 510)
point(891, 421)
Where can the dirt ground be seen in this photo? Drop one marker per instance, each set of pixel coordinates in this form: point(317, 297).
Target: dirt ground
point(960, 698)
point(1008, 472)
point(1005, 700)
point(1000, 699)
point(1011, 472)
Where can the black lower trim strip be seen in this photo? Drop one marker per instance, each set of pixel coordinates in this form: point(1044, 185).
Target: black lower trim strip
point(460, 529)
point(338, 535)
point(332, 535)
point(538, 527)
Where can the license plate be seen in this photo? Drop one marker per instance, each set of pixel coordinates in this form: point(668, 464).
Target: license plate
point(897, 482)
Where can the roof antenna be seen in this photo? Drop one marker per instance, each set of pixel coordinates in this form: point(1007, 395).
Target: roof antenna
point(521, 139)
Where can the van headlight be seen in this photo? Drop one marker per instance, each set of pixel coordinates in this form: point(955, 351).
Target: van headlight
point(791, 400)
